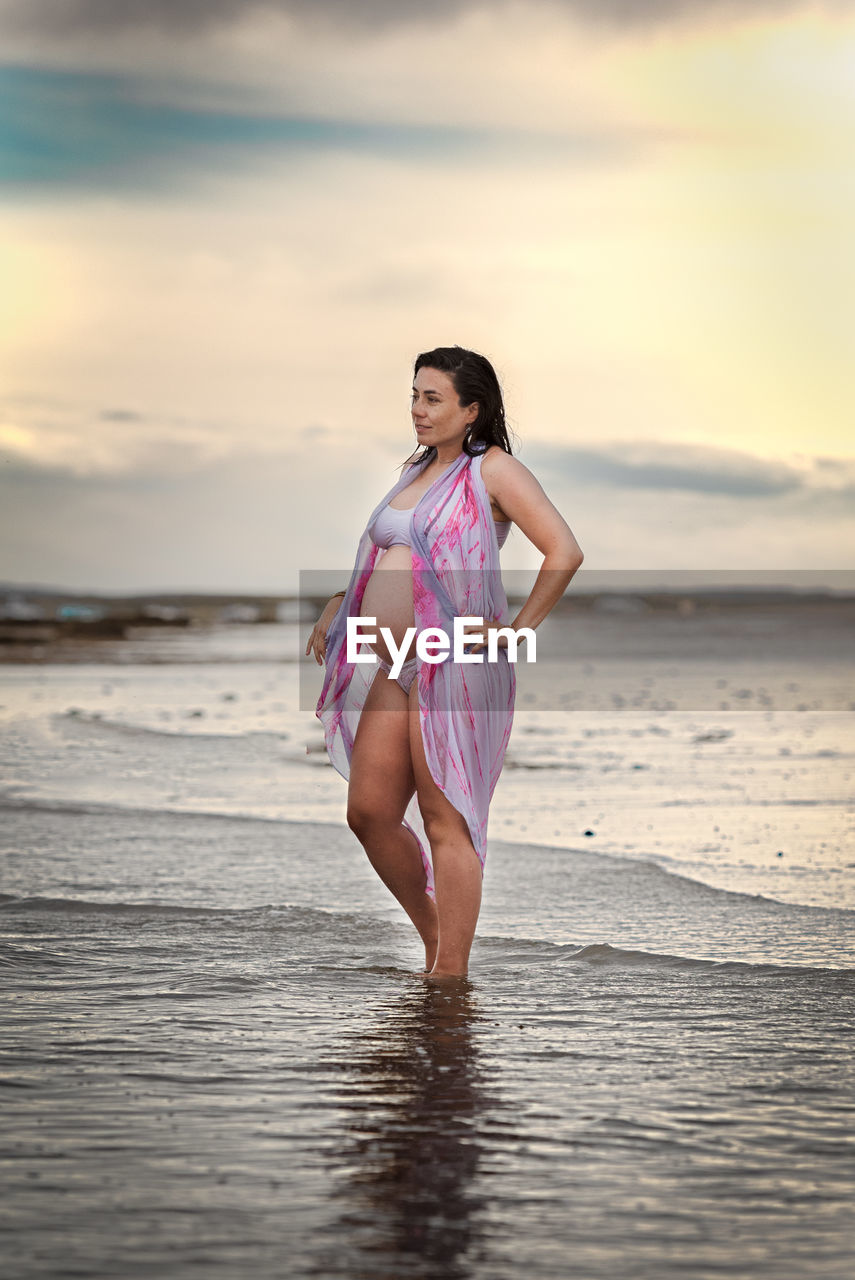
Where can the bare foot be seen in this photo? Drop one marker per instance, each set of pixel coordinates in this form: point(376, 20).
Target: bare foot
point(446, 979)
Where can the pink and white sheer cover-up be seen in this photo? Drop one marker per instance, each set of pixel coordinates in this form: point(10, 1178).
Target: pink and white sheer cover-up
point(465, 709)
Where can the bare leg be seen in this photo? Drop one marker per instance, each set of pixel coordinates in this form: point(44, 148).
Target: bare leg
point(456, 868)
point(381, 786)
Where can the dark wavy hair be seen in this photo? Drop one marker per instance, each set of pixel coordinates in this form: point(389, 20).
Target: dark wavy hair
point(474, 378)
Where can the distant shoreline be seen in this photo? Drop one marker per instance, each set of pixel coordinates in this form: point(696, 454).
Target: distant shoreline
point(38, 623)
point(50, 598)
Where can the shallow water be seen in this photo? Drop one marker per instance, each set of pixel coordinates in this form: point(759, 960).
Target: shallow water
point(206, 1071)
point(218, 1057)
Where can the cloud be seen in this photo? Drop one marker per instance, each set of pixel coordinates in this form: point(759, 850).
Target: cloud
point(107, 496)
point(119, 415)
point(246, 521)
point(96, 130)
point(225, 524)
point(41, 438)
point(698, 469)
point(191, 17)
point(79, 446)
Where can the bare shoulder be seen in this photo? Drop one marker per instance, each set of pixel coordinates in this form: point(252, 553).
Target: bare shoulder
point(494, 460)
point(499, 467)
point(502, 472)
point(513, 490)
point(519, 496)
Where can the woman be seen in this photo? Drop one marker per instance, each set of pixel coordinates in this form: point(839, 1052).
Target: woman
point(423, 746)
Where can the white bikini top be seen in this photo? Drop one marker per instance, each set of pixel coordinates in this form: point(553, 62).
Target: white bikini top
point(392, 528)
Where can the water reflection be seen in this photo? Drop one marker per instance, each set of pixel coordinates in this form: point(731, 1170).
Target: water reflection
point(416, 1099)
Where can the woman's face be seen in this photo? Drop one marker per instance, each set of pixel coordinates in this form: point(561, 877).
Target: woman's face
point(437, 416)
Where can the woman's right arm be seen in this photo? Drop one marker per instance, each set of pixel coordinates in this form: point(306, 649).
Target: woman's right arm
point(318, 639)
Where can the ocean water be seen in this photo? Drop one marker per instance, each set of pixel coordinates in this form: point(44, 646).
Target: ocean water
point(218, 1058)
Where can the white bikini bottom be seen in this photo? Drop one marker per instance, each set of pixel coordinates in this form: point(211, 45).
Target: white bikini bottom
point(407, 674)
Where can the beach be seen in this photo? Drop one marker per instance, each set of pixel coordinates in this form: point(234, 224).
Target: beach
point(219, 1057)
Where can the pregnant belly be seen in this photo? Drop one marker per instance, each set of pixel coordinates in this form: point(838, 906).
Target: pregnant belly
point(389, 598)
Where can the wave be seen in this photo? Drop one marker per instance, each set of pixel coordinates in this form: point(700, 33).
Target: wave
point(316, 920)
point(606, 954)
point(99, 809)
point(86, 906)
point(98, 723)
point(545, 766)
point(274, 910)
point(677, 879)
point(603, 953)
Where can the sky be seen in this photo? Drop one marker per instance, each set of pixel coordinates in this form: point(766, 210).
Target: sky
point(228, 228)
